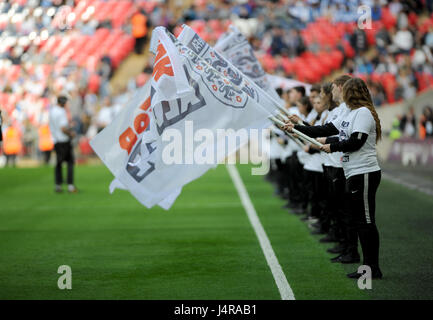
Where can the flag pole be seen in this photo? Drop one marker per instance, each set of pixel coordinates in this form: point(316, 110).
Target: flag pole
point(299, 143)
point(299, 133)
point(284, 111)
point(290, 135)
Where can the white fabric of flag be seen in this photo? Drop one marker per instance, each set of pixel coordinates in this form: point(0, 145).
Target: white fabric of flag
point(235, 47)
point(192, 88)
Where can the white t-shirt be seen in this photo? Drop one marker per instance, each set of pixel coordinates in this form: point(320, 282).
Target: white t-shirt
point(105, 116)
point(315, 161)
point(363, 160)
point(304, 156)
point(292, 146)
point(58, 120)
point(301, 154)
point(335, 116)
point(311, 116)
point(276, 149)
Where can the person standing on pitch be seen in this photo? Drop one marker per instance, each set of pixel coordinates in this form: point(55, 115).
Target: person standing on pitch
point(62, 135)
point(358, 134)
point(347, 249)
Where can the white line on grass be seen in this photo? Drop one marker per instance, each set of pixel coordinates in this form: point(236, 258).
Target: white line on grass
point(407, 184)
point(279, 276)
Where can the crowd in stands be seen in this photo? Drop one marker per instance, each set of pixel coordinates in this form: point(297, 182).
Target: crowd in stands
point(48, 47)
point(308, 40)
point(75, 46)
point(411, 126)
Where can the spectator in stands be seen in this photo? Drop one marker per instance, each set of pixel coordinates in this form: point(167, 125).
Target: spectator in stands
point(139, 30)
point(15, 55)
point(426, 123)
point(395, 7)
point(364, 66)
point(383, 40)
point(406, 87)
point(429, 5)
point(377, 94)
point(429, 38)
point(295, 43)
point(395, 132)
point(403, 40)
point(376, 11)
point(278, 45)
point(408, 123)
point(359, 41)
point(281, 30)
point(190, 14)
point(105, 69)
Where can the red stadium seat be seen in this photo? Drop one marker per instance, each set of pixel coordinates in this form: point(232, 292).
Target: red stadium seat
point(375, 77)
point(269, 63)
point(425, 80)
point(94, 83)
point(215, 25)
point(337, 57)
point(413, 18)
point(371, 33)
point(348, 50)
point(13, 72)
point(389, 84)
point(388, 19)
point(287, 65)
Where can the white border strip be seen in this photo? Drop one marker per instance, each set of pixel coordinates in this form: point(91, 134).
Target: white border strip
point(366, 204)
point(407, 184)
point(279, 276)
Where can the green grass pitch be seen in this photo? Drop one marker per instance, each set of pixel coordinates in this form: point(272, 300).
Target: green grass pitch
point(203, 248)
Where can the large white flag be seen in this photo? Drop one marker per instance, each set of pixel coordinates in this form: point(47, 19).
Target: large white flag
point(173, 130)
point(235, 47)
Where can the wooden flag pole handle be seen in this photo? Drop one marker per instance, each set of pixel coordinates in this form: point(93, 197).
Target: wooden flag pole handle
point(284, 111)
point(290, 135)
point(299, 133)
point(277, 121)
point(307, 138)
point(299, 143)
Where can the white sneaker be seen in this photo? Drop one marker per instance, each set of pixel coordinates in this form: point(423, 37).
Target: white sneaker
point(72, 188)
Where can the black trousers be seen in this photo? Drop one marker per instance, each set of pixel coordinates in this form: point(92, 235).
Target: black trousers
point(361, 192)
point(316, 197)
point(304, 187)
point(294, 179)
point(139, 44)
point(11, 159)
point(46, 156)
point(64, 153)
point(280, 175)
point(336, 202)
